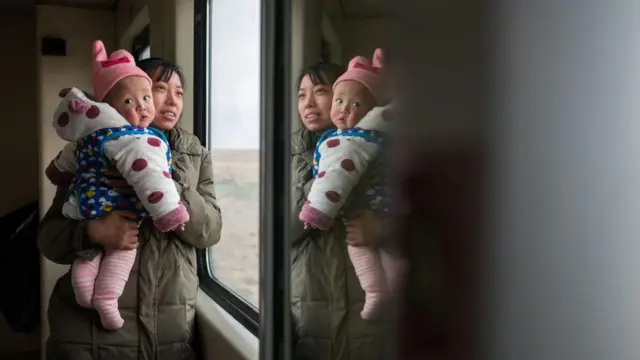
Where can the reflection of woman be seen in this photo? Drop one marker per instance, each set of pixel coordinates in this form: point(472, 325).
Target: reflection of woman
point(326, 295)
point(158, 303)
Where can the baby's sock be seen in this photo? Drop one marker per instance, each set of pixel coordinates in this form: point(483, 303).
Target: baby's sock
point(372, 304)
point(83, 279)
point(110, 284)
point(107, 308)
point(366, 263)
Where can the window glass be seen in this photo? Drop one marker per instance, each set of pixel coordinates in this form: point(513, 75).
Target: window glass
point(234, 142)
point(325, 50)
point(145, 54)
point(141, 46)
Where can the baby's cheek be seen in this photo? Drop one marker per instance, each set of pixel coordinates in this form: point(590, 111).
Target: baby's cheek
point(354, 119)
point(131, 116)
point(151, 112)
point(144, 123)
point(333, 113)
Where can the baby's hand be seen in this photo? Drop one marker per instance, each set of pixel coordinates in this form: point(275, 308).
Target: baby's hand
point(355, 234)
point(366, 230)
point(308, 226)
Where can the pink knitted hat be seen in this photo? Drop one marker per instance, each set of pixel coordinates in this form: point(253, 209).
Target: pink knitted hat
point(367, 73)
point(107, 71)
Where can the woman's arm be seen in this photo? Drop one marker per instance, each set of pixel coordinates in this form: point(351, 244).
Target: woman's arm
point(302, 180)
point(205, 224)
point(62, 240)
point(62, 168)
point(302, 148)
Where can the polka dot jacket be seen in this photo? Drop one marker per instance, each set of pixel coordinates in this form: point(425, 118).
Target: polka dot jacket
point(104, 138)
point(341, 159)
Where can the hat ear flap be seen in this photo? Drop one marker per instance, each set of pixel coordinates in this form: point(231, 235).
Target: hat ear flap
point(378, 58)
point(359, 60)
point(99, 52)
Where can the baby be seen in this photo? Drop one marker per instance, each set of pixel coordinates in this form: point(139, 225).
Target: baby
point(109, 134)
point(342, 157)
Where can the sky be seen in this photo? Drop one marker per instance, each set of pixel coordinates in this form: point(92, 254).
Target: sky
point(235, 74)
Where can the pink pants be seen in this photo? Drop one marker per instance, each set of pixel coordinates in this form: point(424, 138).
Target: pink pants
point(379, 273)
point(99, 283)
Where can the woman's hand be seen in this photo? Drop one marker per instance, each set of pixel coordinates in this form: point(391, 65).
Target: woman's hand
point(118, 230)
point(366, 230)
point(117, 182)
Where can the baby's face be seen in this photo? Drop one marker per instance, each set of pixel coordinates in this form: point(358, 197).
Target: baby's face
point(132, 98)
point(351, 102)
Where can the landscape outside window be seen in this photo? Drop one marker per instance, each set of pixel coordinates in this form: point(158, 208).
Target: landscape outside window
point(234, 142)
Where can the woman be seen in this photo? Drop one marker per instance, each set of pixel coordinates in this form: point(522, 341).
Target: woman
point(326, 295)
point(158, 303)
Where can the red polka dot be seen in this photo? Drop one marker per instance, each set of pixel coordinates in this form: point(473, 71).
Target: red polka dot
point(155, 197)
point(332, 196)
point(166, 174)
point(348, 165)
point(93, 112)
point(155, 142)
point(333, 143)
point(63, 119)
point(139, 164)
point(321, 174)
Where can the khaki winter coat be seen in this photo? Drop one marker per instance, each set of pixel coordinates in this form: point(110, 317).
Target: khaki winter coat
point(326, 295)
point(158, 303)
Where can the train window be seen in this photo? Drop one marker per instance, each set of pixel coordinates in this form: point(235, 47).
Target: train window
point(141, 47)
point(325, 50)
point(227, 119)
point(145, 54)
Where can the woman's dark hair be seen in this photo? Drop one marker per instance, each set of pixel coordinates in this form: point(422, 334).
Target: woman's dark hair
point(160, 69)
point(321, 73)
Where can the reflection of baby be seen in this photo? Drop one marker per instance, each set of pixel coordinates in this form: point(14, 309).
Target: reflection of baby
point(113, 133)
point(342, 157)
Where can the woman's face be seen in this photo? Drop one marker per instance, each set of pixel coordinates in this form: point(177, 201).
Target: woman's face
point(314, 105)
point(168, 101)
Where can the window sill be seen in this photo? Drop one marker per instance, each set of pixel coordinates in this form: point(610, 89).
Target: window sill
point(224, 336)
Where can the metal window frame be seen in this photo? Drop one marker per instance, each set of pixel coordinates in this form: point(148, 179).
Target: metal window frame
point(276, 97)
point(245, 313)
point(275, 103)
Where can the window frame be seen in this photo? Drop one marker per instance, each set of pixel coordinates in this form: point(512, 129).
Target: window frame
point(276, 96)
point(239, 308)
point(140, 42)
